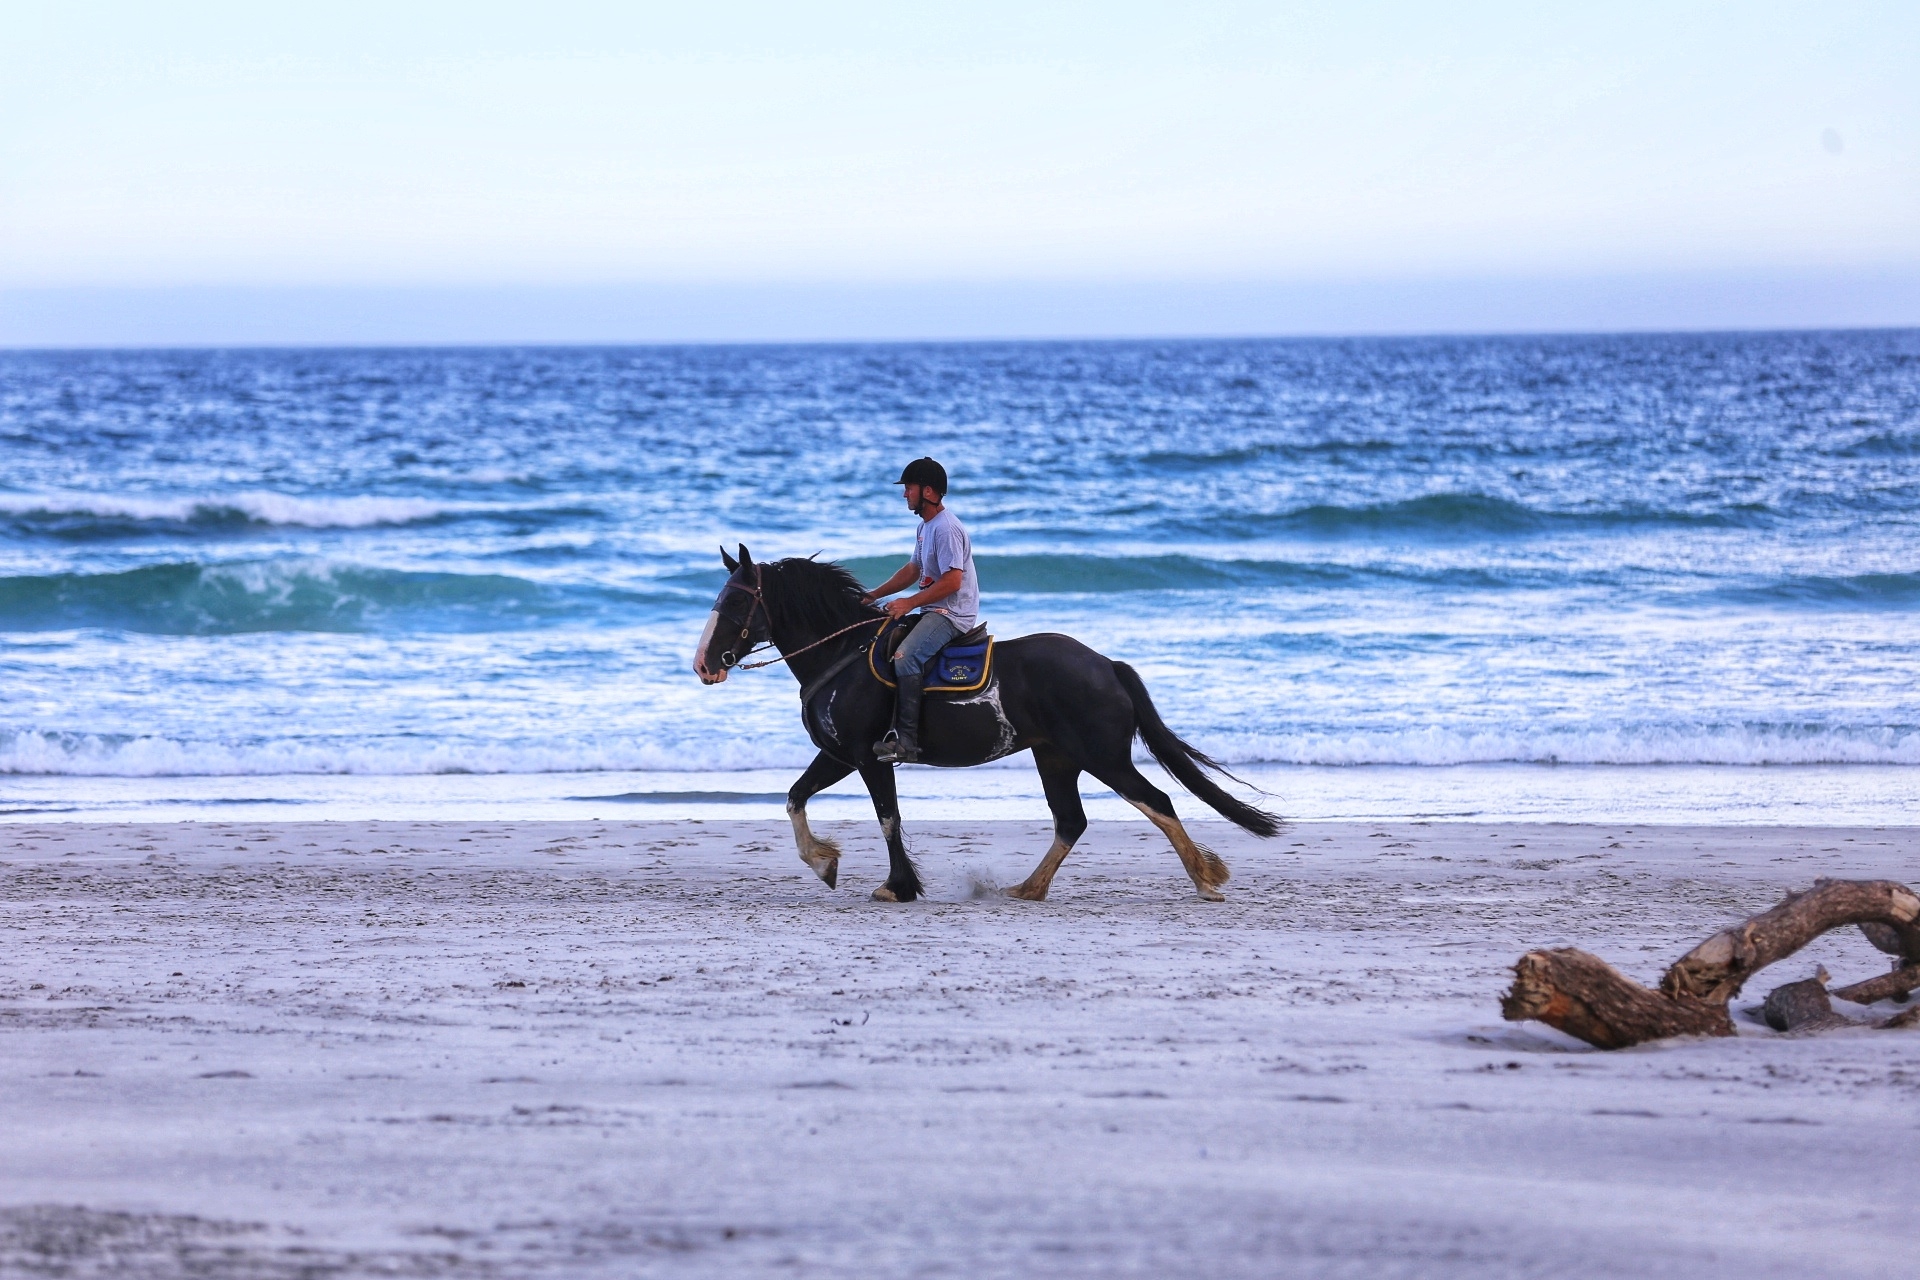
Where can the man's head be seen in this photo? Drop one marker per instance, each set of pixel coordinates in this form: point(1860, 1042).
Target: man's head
point(926, 485)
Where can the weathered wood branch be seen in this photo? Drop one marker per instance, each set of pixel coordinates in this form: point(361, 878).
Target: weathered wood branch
point(1885, 987)
point(1717, 968)
point(1585, 997)
point(1588, 998)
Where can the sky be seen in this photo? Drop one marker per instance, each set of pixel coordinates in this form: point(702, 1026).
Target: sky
point(579, 172)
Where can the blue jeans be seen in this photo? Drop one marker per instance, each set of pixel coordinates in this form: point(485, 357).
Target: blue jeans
point(929, 636)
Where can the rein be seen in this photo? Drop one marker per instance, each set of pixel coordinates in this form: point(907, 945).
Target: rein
point(749, 666)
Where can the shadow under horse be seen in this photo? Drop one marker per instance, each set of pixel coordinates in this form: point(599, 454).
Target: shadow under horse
point(1076, 710)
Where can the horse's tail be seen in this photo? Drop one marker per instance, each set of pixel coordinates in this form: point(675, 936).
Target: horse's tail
point(1185, 762)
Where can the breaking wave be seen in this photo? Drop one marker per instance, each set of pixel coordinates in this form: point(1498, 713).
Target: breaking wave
point(77, 515)
point(1458, 516)
point(194, 599)
point(1045, 574)
point(1068, 574)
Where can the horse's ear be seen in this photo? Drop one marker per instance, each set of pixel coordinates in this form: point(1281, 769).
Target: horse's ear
point(733, 566)
point(746, 557)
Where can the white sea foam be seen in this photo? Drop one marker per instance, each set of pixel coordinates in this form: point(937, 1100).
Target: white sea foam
point(1657, 745)
point(263, 506)
point(88, 755)
point(52, 754)
point(343, 513)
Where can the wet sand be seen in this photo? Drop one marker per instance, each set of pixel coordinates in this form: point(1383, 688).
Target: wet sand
point(663, 1048)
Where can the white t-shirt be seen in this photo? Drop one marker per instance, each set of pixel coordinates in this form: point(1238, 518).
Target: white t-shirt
point(940, 545)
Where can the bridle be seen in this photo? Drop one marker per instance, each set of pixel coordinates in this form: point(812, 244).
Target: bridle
point(729, 660)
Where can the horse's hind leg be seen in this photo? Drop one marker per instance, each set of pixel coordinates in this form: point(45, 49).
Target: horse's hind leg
point(1204, 867)
point(1060, 777)
point(818, 852)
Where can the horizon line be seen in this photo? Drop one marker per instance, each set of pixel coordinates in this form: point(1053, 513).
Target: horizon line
point(962, 341)
point(197, 317)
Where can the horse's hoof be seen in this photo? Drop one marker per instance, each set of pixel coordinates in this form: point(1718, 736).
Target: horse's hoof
point(1024, 894)
point(1210, 894)
point(884, 894)
point(828, 868)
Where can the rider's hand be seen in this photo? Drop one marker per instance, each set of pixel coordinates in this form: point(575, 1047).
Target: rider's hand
point(897, 609)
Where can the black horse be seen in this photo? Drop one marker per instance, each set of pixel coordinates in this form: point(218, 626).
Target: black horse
point(1074, 709)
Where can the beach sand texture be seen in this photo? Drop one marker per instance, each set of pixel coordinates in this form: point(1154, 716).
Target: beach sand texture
point(664, 1049)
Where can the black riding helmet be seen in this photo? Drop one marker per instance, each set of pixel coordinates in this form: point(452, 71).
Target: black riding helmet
point(927, 473)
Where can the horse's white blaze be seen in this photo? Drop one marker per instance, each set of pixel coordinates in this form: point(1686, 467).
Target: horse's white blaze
point(700, 654)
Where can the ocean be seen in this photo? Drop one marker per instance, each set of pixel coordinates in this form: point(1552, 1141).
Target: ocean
point(1653, 577)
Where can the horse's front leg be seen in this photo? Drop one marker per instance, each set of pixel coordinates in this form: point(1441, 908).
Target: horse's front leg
point(818, 852)
point(903, 878)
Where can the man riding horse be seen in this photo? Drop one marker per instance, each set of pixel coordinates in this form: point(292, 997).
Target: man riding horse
point(948, 599)
point(1076, 710)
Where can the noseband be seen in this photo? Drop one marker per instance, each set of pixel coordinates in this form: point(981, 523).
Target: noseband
point(729, 659)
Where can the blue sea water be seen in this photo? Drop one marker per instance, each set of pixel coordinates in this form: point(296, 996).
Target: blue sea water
point(1669, 553)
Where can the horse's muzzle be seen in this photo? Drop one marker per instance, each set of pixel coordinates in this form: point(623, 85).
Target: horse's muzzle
point(700, 668)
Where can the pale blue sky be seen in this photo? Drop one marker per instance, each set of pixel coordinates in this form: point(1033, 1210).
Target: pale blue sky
point(217, 153)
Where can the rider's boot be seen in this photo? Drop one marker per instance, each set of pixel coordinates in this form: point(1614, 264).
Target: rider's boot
point(902, 745)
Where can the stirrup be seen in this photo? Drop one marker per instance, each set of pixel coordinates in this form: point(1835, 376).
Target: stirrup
point(891, 750)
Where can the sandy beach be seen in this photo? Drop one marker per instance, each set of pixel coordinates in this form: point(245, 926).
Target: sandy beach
point(663, 1048)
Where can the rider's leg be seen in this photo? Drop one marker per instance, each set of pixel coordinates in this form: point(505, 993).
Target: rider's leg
point(929, 635)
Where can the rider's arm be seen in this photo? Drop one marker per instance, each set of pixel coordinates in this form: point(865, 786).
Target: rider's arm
point(908, 573)
point(943, 586)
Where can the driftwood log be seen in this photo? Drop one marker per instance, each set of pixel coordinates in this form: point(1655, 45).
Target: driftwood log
point(1586, 997)
point(1803, 1006)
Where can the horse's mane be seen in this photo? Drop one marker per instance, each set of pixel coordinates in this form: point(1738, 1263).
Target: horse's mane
point(813, 598)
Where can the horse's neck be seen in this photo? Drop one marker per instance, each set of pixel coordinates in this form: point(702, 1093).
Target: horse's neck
point(805, 666)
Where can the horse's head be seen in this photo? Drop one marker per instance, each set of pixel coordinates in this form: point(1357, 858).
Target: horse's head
point(738, 623)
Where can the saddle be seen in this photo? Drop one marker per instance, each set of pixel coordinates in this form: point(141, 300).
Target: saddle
point(965, 665)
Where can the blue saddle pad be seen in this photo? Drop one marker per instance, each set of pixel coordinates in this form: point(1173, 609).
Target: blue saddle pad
point(960, 667)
